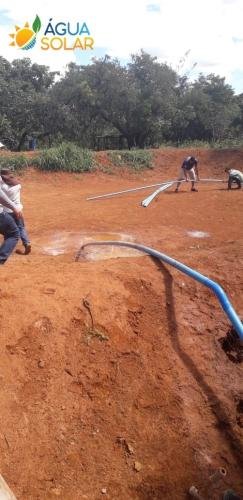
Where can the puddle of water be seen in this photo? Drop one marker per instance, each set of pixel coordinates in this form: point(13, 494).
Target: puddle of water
point(60, 243)
point(93, 253)
point(63, 242)
point(108, 252)
point(198, 234)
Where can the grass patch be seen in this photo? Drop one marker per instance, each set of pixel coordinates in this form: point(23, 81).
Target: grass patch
point(138, 159)
point(229, 143)
point(16, 162)
point(66, 157)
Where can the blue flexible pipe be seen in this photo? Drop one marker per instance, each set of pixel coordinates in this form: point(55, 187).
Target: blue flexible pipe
point(215, 287)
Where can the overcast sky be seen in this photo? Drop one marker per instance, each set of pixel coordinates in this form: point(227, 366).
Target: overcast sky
point(212, 30)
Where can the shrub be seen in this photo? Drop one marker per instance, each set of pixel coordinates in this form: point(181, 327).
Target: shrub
point(136, 159)
point(66, 157)
point(16, 162)
point(195, 144)
point(230, 143)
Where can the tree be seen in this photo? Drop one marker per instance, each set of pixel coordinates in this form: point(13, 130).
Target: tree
point(145, 101)
point(137, 100)
point(215, 107)
point(22, 86)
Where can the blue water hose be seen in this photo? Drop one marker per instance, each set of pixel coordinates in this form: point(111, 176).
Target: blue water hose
point(215, 287)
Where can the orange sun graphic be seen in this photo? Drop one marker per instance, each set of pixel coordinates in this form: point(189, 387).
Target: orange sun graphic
point(25, 38)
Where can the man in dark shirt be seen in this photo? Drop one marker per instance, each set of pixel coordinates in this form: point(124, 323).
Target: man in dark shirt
point(188, 171)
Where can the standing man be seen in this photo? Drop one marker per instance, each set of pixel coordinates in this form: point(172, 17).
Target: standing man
point(235, 176)
point(8, 227)
point(188, 171)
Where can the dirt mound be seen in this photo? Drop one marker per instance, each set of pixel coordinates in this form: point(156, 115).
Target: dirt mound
point(114, 382)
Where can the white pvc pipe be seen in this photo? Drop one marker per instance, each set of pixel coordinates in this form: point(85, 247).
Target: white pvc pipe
point(212, 180)
point(145, 203)
point(125, 191)
point(108, 195)
point(5, 492)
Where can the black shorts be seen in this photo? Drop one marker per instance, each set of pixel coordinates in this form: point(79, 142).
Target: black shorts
point(234, 179)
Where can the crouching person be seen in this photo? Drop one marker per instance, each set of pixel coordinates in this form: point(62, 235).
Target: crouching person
point(8, 227)
point(235, 177)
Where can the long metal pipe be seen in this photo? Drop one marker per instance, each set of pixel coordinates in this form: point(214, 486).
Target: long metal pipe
point(215, 287)
point(132, 190)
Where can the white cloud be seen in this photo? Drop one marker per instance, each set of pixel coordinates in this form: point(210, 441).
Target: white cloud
point(167, 28)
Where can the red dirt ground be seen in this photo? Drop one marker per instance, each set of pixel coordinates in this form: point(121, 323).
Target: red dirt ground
point(153, 390)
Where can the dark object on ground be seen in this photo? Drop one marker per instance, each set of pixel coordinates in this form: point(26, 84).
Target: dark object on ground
point(232, 346)
point(230, 495)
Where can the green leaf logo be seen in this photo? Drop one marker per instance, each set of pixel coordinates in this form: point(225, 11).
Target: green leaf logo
point(36, 26)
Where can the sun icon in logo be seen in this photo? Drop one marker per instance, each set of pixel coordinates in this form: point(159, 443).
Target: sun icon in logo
point(25, 38)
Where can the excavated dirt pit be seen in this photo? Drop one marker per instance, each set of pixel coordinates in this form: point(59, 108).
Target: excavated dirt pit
point(114, 383)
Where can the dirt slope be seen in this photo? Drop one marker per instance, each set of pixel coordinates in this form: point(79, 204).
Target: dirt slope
point(143, 403)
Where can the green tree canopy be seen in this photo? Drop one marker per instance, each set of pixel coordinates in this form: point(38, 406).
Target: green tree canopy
point(145, 101)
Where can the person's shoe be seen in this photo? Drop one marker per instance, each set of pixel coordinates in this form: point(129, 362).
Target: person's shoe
point(176, 190)
point(27, 249)
point(19, 251)
point(194, 189)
